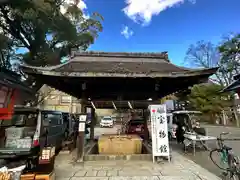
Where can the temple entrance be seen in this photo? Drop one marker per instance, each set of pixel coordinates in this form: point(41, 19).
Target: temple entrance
point(111, 77)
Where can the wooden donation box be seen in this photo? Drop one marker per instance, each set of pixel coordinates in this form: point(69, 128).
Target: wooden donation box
point(119, 144)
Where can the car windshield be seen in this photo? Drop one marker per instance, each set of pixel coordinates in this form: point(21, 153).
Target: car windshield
point(51, 118)
point(28, 119)
point(181, 118)
point(107, 119)
point(195, 117)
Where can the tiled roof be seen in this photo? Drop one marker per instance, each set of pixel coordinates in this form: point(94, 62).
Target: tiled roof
point(119, 63)
point(107, 64)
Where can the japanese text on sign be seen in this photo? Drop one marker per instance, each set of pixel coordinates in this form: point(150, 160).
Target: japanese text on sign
point(160, 143)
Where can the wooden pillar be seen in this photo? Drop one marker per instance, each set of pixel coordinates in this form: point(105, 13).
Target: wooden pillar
point(92, 125)
point(81, 132)
point(146, 133)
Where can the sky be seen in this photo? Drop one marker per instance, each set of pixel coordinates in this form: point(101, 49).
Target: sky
point(162, 25)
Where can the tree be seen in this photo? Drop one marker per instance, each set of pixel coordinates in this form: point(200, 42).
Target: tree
point(202, 54)
point(230, 50)
point(205, 55)
point(230, 57)
point(38, 33)
point(226, 57)
point(7, 54)
point(208, 99)
point(44, 32)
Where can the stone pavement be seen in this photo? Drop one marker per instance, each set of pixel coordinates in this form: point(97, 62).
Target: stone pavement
point(180, 168)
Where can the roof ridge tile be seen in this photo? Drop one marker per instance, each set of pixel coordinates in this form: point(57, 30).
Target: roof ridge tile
point(161, 55)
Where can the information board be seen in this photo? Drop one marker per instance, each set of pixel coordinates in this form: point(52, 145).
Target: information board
point(160, 142)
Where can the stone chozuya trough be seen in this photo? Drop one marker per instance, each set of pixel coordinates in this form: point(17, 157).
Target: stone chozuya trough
point(118, 147)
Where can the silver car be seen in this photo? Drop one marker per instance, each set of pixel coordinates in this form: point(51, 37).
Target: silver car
point(106, 121)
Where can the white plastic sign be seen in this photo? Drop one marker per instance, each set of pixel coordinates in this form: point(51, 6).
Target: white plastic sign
point(81, 127)
point(160, 142)
point(82, 122)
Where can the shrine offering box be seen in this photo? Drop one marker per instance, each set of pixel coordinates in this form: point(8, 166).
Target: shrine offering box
point(119, 144)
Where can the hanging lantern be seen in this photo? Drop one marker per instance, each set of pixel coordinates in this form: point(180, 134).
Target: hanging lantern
point(7, 98)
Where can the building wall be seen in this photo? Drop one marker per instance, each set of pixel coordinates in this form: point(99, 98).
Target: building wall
point(104, 112)
point(52, 99)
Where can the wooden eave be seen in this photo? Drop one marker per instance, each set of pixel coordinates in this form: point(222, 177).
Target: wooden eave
point(233, 86)
point(122, 104)
point(11, 79)
point(35, 70)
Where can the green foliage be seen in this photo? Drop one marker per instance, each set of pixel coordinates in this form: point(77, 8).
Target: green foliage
point(230, 56)
point(6, 51)
point(226, 56)
point(208, 99)
point(46, 33)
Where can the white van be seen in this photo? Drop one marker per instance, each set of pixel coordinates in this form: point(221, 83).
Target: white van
point(106, 121)
point(29, 130)
point(176, 116)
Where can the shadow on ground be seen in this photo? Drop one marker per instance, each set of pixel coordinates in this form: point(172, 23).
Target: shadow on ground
point(201, 157)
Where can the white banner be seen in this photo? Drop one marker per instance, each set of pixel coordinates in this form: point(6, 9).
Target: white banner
point(160, 142)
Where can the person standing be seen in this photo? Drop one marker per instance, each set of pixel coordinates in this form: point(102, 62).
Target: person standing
point(180, 132)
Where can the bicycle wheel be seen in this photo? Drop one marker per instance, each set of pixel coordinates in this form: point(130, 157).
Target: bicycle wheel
point(229, 176)
point(233, 164)
point(232, 176)
point(216, 158)
point(235, 177)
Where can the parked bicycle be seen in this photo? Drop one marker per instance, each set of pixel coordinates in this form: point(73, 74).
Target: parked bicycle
point(231, 171)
